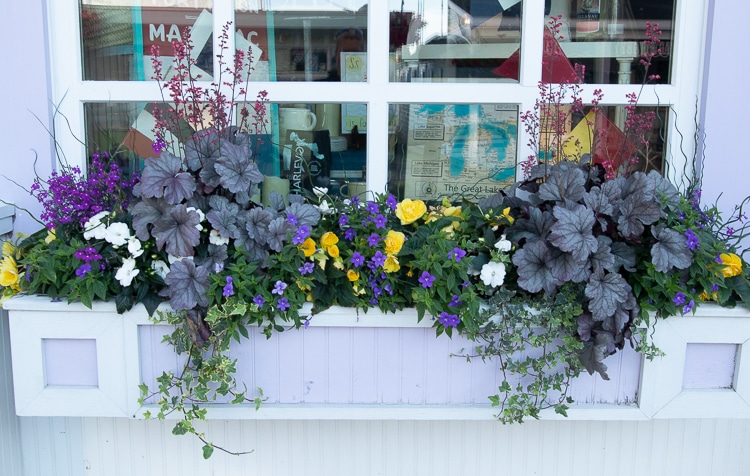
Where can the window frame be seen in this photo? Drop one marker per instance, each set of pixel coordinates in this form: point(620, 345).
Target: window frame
point(682, 95)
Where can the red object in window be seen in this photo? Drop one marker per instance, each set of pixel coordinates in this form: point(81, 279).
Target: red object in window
point(610, 144)
point(556, 67)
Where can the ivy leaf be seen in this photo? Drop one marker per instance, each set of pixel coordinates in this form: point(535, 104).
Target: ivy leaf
point(671, 250)
point(636, 212)
point(306, 214)
point(573, 231)
point(605, 292)
point(164, 177)
point(535, 227)
point(177, 231)
point(188, 285)
point(236, 170)
point(565, 185)
point(208, 450)
point(533, 273)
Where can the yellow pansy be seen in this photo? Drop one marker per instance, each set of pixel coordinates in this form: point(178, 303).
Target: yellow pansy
point(333, 250)
point(308, 247)
point(409, 211)
point(8, 272)
point(328, 239)
point(394, 240)
point(732, 264)
point(452, 212)
point(391, 264)
point(352, 275)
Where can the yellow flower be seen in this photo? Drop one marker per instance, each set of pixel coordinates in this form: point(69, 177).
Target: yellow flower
point(8, 249)
point(302, 286)
point(309, 297)
point(410, 271)
point(328, 239)
point(409, 211)
point(337, 263)
point(452, 212)
point(732, 265)
point(432, 216)
point(9, 273)
point(506, 215)
point(50, 236)
point(308, 247)
point(333, 250)
point(394, 240)
point(352, 275)
point(391, 264)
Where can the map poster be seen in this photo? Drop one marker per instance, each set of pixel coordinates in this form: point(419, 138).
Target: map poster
point(457, 150)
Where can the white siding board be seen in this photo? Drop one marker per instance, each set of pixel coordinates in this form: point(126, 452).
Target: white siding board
point(10, 430)
point(364, 366)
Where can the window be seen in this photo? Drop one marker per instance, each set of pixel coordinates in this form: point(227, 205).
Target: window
point(419, 97)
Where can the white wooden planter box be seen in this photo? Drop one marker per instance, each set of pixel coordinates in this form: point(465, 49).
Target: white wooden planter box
point(69, 360)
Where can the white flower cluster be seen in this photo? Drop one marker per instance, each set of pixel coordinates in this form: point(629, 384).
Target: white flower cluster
point(117, 234)
point(493, 273)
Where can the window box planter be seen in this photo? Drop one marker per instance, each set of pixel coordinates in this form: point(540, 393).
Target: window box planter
point(69, 360)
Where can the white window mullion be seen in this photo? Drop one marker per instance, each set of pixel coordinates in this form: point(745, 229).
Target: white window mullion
point(376, 94)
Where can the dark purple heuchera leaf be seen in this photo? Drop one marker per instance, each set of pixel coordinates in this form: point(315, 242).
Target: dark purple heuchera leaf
point(602, 258)
point(535, 227)
point(164, 177)
point(217, 256)
point(306, 214)
point(177, 231)
point(147, 212)
point(202, 148)
point(209, 175)
point(585, 325)
point(533, 273)
point(594, 352)
point(639, 185)
point(236, 170)
point(665, 191)
point(605, 292)
point(188, 285)
point(636, 212)
point(564, 267)
point(565, 184)
point(223, 216)
point(600, 204)
point(624, 256)
point(276, 200)
point(624, 312)
point(257, 223)
point(277, 231)
point(573, 231)
point(671, 250)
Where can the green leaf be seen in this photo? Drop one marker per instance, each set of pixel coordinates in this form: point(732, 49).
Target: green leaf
point(208, 450)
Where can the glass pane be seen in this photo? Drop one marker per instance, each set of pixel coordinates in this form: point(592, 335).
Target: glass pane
point(455, 41)
point(304, 40)
point(451, 150)
point(608, 37)
point(317, 145)
point(118, 36)
point(112, 129)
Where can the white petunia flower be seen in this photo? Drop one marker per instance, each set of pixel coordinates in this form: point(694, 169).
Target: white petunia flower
point(127, 272)
point(324, 208)
point(216, 239)
point(134, 247)
point(320, 191)
point(493, 274)
point(200, 214)
point(161, 268)
point(503, 244)
point(117, 233)
point(94, 228)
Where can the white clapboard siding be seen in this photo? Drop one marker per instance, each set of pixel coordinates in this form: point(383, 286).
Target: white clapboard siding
point(10, 433)
point(123, 447)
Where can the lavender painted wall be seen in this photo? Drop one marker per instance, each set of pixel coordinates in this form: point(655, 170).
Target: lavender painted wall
point(26, 101)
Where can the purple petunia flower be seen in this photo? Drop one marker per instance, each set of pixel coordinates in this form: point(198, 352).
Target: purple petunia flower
point(228, 288)
point(283, 304)
point(303, 232)
point(291, 219)
point(380, 221)
point(350, 234)
point(259, 301)
point(426, 279)
point(373, 239)
point(372, 207)
point(278, 288)
point(357, 259)
point(714, 287)
point(391, 201)
point(456, 254)
point(692, 241)
point(448, 320)
point(83, 269)
point(679, 298)
point(688, 307)
point(343, 220)
point(378, 259)
point(455, 302)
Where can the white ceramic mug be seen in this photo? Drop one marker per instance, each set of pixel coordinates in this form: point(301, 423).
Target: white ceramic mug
point(296, 119)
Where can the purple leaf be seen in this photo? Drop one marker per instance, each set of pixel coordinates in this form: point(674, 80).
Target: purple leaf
point(187, 285)
point(164, 177)
point(177, 231)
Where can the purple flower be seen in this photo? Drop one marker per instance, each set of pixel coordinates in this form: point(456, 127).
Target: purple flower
point(456, 254)
point(380, 221)
point(714, 287)
point(357, 259)
point(279, 288)
point(426, 279)
point(378, 259)
point(448, 320)
point(391, 201)
point(372, 207)
point(679, 298)
point(291, 219)
point(354, 201)
point(373, 239)
point(692, 241)
point(259, 301)
point(302, 233)
point(283, 304)
point(730, 231)
point(387, 288)
point(350, 234)
point(718, 259)
point(83, 269)
point(228, 288)
point(455, 302)
point(688, 307)
point(306, 268)
point(343, 220)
